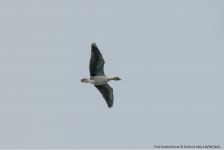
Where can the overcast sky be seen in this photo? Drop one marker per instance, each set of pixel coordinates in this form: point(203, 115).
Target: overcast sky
point(169, 55)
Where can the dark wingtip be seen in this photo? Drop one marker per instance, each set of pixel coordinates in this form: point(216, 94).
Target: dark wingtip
point(94, 44)
point(109, 104)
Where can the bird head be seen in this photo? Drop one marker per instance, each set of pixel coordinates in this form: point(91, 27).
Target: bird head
point(117, 78)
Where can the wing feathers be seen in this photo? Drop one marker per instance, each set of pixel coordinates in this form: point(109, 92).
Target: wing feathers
point(107, 93)
point(96, 63)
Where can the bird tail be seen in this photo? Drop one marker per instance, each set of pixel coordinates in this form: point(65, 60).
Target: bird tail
point(84, 80)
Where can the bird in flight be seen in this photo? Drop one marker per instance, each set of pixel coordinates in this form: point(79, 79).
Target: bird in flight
point(98, 78)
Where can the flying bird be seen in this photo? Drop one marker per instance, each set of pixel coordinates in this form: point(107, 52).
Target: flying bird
point(98, 78)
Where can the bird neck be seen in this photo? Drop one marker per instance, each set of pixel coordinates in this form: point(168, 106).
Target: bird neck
point(114, 78)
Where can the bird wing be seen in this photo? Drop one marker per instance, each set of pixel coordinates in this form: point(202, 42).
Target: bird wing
point(107, 93)
point(96, 62)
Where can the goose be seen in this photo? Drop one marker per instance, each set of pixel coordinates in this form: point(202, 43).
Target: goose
point(98, 78)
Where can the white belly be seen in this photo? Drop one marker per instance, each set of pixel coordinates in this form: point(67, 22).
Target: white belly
point(98, 80)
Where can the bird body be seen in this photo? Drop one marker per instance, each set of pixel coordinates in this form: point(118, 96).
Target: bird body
point(98, 78)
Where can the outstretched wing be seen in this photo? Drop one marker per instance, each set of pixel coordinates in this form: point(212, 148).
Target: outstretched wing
point(107, 93)
point(96, 62)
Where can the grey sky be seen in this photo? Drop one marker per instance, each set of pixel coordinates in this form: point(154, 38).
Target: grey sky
point(169, 55)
